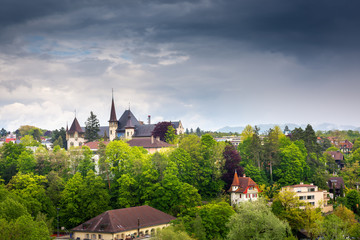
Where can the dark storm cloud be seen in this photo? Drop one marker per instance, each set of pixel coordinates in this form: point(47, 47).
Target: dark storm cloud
point(201, 57)
point(297, 27)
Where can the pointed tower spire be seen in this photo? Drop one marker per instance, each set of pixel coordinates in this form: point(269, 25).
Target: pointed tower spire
point(112, 112)
point(236, 180)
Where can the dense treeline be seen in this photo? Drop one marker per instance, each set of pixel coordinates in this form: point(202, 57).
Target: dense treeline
point(189, 181)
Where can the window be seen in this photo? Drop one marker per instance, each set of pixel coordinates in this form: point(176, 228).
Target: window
point(311, 189)
point(310, 197)
point(93, 236)
point(71, 144)
point(87, 236)
point(100, 237)
point(110, 132)
point(312, 203)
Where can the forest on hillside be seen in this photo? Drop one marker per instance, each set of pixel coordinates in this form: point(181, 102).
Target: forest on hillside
point(189, 181)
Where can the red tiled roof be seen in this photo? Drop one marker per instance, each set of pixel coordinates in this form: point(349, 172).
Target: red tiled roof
point(235, 180)
point(148, 143)
point(243, 183)
point(125, 219)
point(95, 145)
point(75, 127)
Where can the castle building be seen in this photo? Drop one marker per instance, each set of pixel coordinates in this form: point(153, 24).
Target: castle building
point(127, 127)
point(243, 189)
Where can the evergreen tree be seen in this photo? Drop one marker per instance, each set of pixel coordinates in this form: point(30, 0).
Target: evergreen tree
point(198, 131)
point(92, 128)
point(3, 132)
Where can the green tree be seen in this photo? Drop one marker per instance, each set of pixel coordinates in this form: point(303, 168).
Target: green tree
point(291, 169)
point(254, 220)
point(353, 200)
point(170, 233)
point(86, 163)
point(214, 217)
point(58, 142)
point(248, 132)
point(170, 135)
point(56, 134)
point(29, 140)
point(26, 162)
point(9, 156)
point(92, 127)
point(3, 132)
point(333, 228)
point(171, 195)
point(82, 199)
point(31, 188)
point(286, 206)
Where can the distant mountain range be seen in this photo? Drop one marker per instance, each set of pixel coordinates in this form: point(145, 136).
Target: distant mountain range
point(316, 127)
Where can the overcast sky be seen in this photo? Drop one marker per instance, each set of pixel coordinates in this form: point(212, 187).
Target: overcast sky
point(209, 63)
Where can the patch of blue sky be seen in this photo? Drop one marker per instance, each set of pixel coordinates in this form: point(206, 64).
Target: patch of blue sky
point(126, 56)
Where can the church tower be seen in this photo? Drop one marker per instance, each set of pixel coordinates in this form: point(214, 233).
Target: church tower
point(113, 122)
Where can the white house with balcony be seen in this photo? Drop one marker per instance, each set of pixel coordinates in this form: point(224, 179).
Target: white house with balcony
point(311, 194)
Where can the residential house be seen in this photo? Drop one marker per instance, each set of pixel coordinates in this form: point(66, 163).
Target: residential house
point(336, 186)
point(121, 224)
point(311, 194)
point(338, 157)
point(243, 189)
point(346, 146)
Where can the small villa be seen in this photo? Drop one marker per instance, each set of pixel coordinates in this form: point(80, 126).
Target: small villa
point(243, 189)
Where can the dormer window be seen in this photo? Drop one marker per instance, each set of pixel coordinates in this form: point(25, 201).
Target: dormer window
point(235, 188)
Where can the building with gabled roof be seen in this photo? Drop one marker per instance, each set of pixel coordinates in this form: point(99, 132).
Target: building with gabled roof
point(121, 224)
point(243, 189)
point(75, 136)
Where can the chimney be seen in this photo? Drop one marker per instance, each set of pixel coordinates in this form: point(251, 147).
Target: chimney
point(149, 119)
point(244, 175)
point(152, 139)
point(301, 183)
point(157, 138)
point(312, 184)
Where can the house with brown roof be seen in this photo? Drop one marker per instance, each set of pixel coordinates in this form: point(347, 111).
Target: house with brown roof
point(311, 194)
point(338, 157)
point(243, 189)
point(336, 186)
point(346, 146)
point(121, 224)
